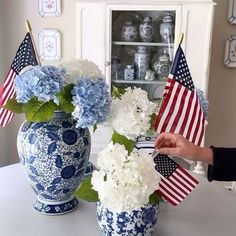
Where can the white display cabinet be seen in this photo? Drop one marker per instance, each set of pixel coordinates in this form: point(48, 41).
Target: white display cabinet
point(99, 25)
point(100, 38)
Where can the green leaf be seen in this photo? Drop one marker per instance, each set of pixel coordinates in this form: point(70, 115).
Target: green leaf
point(65, 98)
point(151, 131)
point(38, 111)
point(14, 106)
point(121, 139)
point(153, 121)
point(86, 192)
point(155, 198)
point(117, 92)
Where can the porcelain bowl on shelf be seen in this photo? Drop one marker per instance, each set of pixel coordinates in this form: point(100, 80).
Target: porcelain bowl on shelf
point(156, 92)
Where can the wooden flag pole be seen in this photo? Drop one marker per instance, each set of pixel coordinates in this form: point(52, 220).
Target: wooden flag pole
point(181, 38)
point(180, 42)
point(29, 29)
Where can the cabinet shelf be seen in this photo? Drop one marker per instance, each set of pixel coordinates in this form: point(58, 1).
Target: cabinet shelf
point(142, 44)
point(139, 82)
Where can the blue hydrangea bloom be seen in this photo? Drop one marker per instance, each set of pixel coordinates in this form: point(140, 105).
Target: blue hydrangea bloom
point(204, 102)
point(43, 82)
point(92, 101)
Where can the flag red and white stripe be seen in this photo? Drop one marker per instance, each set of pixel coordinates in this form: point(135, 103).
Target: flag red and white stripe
point(7, 93)
point(181, 110)
point(181, 113)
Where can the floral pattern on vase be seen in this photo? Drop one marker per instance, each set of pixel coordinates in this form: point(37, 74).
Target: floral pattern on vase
point(54, 156)
point(138, 222)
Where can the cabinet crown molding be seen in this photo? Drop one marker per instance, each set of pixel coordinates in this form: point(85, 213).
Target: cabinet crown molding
point(149, 1)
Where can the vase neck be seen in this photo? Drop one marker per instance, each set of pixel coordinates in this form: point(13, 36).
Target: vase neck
point(61, 115)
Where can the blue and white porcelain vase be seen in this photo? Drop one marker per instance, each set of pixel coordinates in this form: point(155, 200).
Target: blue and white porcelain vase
point(167, 29)
point(142, 61)
point(129, 32)
point(54, 156)
point(162, 66)
point(146, 29)
point(137, 222)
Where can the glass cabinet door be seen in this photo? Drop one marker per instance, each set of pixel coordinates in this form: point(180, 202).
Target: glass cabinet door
point(142, 48)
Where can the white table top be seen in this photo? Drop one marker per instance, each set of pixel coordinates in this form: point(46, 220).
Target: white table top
point(209, 210)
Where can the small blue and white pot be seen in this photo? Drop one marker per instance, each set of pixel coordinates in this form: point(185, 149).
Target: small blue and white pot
point(135, 223)
point(54, 156)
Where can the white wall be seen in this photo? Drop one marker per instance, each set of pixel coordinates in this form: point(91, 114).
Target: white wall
point(221, 130)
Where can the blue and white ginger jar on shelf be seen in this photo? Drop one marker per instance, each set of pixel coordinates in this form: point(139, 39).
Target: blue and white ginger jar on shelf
point(54, 156)
point(137, 222)
point(129, 32)
point(167, 28)
point(146, 29)
point(142, 61)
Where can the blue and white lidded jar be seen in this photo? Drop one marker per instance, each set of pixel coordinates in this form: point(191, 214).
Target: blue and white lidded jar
point(167, 29)
point(129, 32)
point(142, 62)
point(162, 67)
point(146, 29)
point(129, 72)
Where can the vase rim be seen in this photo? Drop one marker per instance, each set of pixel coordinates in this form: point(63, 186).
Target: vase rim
point(58, 114)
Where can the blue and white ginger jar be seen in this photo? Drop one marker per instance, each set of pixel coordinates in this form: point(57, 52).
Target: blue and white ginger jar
point(135, 223)
point(54, 156)
point(146, 29)
point(129, 32)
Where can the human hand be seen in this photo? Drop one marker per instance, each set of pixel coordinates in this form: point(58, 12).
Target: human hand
point(177, 145)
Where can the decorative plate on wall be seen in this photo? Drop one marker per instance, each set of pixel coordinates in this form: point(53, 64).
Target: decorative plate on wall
point(49, 45)
point(232, 11)
point(230, 52)
point(49, 8)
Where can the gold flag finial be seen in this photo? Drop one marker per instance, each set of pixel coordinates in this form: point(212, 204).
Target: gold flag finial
point(28, 26)
point(181, 38)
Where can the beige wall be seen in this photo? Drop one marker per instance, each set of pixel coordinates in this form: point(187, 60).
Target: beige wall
point(15, 12)
point(12, 31)
point(221, 130)
point(3, 150)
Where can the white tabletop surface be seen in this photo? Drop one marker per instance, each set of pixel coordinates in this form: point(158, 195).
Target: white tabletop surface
point(210, 210)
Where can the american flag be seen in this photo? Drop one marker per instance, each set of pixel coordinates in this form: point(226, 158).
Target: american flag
point(176, 183)
point(181, 111)
point(25, 56)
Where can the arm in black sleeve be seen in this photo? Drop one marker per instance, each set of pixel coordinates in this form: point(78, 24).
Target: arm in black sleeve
point(224, 164)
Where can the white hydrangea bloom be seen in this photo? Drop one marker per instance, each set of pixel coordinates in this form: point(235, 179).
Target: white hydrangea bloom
point(77, 113)
point(124, 182)
point(81, 68)
point(130, 114)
